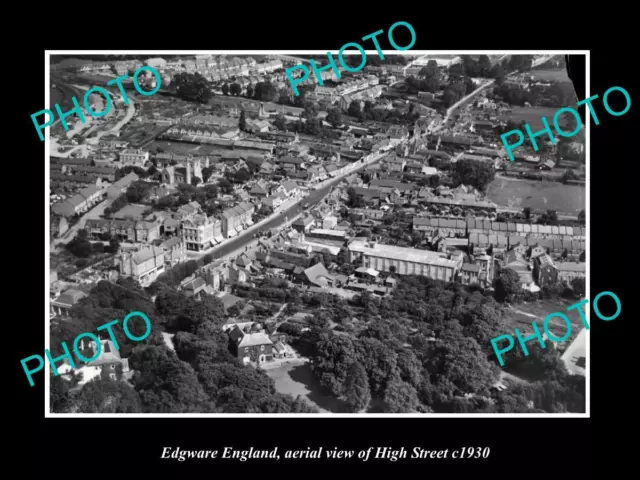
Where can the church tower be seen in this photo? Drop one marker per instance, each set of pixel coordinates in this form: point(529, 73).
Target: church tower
point(188, 179)
point(197, 168)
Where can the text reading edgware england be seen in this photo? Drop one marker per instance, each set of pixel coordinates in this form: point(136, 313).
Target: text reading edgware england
point(107, 108)
point(332, 62)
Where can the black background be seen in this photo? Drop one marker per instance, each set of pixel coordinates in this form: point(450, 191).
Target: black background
point(130, 447)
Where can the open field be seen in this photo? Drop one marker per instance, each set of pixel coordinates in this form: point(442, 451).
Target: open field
point(531, 115)
point(521, 315)
point(555, 75)
point(520, 193)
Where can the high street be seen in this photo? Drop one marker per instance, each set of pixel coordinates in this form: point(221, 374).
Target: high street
point(315, 196)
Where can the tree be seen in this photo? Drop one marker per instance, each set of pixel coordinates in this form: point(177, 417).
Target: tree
point(266, 92)
point(469, 172)
point(192, 87)
point(250, 91)
point(280, 122)
point(242, 122)
point(114, 244)
point(470, 66)
point(430, 70)
point(225, 89)
point(578, 285)
point(354, 110)
point(165, 383)
point(400, 397)
point(235, 89)
point(284, 96)
point(485, 65)
point(497, 72)
point(206, 174)
point(242, 176)
point(59, 395)
point(107, 396)
point(356, 386)
point(507, 285)
point(470, 86)
point(582, 217)
point(456, 70)
point(195, 181)
point(334, 117)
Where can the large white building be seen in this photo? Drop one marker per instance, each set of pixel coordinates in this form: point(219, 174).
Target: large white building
point(144, 266)
point(201, 232)
point(136, 158)
point(405, 261)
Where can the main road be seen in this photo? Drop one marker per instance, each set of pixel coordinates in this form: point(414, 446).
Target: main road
point(315, 196)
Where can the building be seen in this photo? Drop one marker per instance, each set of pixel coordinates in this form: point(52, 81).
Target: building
point(144, 265)
point(80, 203)
point(119, 187)
point(108, 363)
point(201, 232)
point(303, 224)
point(175, 251)
point(126, 230)
point(470, 274)
point(329, 222)
point(61, 305)
point(318, 276)
point(568, 271)
point(254, 347)
point(544, 271)
point(59, 225)
point(403, 261)
point(136, 158)
point(236, 219)
point(328, 234)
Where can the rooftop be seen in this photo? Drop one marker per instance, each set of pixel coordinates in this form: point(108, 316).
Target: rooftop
point(401, 253)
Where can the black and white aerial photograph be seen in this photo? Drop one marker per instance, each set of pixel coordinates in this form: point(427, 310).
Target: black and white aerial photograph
point(347, 247)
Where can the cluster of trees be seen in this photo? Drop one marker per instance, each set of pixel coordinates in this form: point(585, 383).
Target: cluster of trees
point(422, 349)
point(457, 90)
point(507, 288)
point(234, 89)
point(476, 174)
point(394, 115)
point(192, 86)
point(201, 376)
point(179, 272)
point(556, 95)
point(105, 302)
point(205, 195)
point(82, 248)
point(137, 192)
point(141, 172)
point(521, 63)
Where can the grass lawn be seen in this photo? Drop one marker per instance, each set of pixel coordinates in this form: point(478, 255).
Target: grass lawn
point(522, 315)
point(297, 379)
point(521, 193)
point(551, 75)
point(531, 115)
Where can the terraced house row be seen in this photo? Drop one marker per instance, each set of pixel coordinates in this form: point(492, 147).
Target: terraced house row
point(467, 227)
